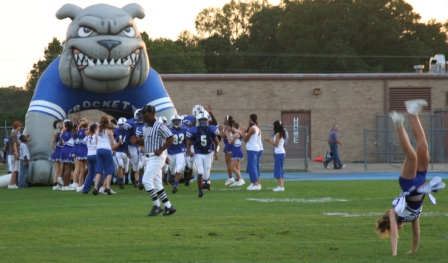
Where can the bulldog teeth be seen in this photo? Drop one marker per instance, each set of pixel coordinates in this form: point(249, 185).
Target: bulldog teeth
point(91, 64)
point(82, 60)
point(126, 63)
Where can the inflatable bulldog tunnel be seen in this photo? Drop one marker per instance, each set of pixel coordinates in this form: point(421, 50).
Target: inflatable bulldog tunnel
point(104, 65)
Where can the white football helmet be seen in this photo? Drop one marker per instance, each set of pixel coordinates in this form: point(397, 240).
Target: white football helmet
point(202, 119)
point(162, 119)
point(176, 121)
point(138, 116)
point(197, 109)
point(121, 122)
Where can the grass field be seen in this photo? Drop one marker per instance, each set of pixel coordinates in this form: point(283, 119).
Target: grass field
point(312, 221)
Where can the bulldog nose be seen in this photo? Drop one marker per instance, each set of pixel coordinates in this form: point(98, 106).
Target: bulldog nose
point(109, 44)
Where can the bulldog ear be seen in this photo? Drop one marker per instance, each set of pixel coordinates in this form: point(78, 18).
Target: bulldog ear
point(134, 10)
point(68, 10)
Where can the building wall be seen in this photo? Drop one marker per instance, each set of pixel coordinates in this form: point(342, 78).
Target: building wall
point(353, 100)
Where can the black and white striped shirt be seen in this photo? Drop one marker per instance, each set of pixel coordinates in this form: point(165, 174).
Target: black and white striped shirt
point(154, 137)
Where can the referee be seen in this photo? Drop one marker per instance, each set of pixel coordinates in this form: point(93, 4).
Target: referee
point(156, 139)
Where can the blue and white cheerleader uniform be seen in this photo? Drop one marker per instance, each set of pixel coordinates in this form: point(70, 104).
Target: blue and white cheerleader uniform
point(81, 153)
point(67, 140)
point(56, 155)
point(237, 152)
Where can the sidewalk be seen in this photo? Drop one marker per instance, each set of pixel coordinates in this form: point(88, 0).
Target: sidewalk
point(298, 165)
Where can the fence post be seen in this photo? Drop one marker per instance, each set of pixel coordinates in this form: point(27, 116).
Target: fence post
point(306, 148)
point(431, 125)
point(365, 150)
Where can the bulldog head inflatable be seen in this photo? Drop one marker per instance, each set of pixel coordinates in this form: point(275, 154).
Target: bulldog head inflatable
point(104, 51)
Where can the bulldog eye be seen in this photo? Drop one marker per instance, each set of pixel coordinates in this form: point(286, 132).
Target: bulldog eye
point(84, 31)
point(129, 31)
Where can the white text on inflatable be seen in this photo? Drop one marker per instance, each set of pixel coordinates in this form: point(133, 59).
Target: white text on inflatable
point(109, 104)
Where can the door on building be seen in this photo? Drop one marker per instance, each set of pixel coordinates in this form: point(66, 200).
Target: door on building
point(298, 124)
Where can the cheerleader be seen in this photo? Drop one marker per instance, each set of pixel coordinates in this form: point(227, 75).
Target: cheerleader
point(67, 143)
point(225, 134)
point(75, 173)
point(250, 137)
point(81, 153)
point(278, 141)
point(90, 140)
point(408, 206)
point(237, 154)
point(104, 159)
point(56, 155)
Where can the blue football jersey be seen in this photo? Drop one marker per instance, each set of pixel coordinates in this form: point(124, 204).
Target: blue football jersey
point(202, 139)
point(178, 145)
point(135, 129)
point(124, 135)
point(187, 121)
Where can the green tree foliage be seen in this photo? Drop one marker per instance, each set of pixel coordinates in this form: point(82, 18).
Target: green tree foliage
point(232, 20)
point(263, 47)
point(225, 35)
point(51, 52)
point(219, 53)
point(180, 56)
point(355, 36)
point(15, 102)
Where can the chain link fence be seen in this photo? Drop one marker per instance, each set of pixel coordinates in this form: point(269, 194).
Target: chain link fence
point(382, 145)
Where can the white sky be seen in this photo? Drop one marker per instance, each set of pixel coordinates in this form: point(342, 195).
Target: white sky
point(28, 26)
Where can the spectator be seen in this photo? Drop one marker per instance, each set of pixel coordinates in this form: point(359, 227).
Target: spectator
point(14, 154)
point(333, 141)
point(6, 154)
point(24, 161)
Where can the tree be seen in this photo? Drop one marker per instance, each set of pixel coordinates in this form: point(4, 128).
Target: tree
point(354, 36)
point(180, 56)
point(219, 54)
point(263, 46)
point(15, 102)
point(231, 21)
point(51, 52)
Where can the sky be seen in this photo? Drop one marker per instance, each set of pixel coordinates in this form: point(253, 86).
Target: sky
point(28, 26)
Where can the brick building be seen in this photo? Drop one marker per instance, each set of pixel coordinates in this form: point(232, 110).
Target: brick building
point(355, 101)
